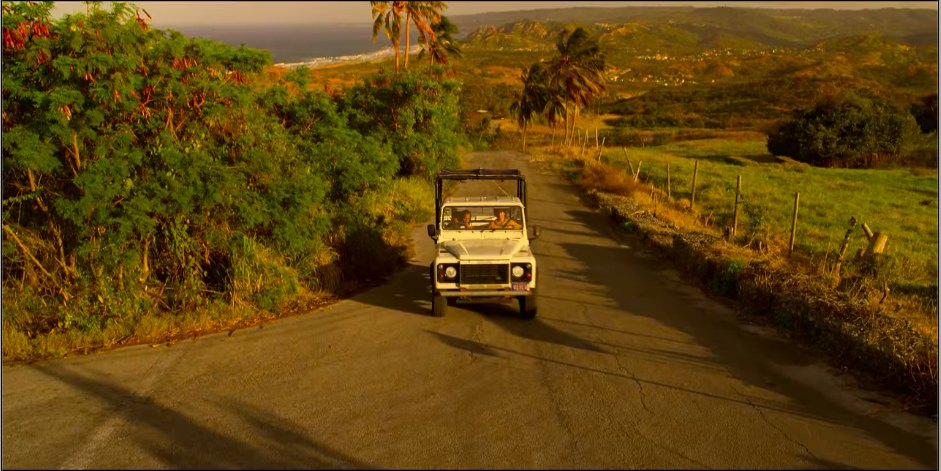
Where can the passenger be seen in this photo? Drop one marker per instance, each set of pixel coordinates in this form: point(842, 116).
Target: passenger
point(503, 222)
point(461, 220)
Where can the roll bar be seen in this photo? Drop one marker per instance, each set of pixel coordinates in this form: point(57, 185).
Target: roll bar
point(501, 174)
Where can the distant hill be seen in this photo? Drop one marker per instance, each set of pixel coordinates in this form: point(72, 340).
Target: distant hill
point(717, 67)
point(690, 29)
point(524, 34)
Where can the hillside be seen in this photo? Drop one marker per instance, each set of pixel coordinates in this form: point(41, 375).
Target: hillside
point(719, 67)
point(769, 27)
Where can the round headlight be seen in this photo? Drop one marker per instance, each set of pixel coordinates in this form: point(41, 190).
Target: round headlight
point(450, 272)
point(517, 271)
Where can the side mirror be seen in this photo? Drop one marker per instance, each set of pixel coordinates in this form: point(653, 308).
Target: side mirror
point(536, 231)
point(431, 231)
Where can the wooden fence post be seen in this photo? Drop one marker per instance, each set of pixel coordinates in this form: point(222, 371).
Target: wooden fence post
point(584, 144)
point(637, 175)
point(668, 182)
point(692, 195)
point(628, 159)
point(601, 148)
point(738, 189)
point(839, 259)
point(797, 198)
point(877, 241)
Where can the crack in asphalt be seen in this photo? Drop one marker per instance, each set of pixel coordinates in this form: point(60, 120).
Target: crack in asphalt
point(556, 406)
point(775, 427)
point(667, 448)
point(617, 358)
point(643, 394)
point(475, 336)
point(634, 425)
point(608, 418)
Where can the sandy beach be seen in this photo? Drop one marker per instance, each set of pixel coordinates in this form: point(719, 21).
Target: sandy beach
point(325, 61)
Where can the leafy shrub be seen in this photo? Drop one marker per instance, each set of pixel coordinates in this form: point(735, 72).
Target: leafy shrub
point(416, 115)
point(857, 130)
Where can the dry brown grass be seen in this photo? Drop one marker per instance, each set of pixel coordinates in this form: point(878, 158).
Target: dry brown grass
point(604, 178)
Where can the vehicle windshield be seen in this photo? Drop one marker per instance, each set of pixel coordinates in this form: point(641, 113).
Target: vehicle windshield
point(470, 218)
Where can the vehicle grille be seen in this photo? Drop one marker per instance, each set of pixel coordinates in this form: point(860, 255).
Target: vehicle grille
point(485, 274)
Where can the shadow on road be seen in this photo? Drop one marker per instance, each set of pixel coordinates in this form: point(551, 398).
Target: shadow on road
point(407, 291)
point(182, 443)
point(493, 350)
point(506, 316)
point(636, 287)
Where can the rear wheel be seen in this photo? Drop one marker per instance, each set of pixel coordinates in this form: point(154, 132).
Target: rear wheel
point(528, 305)
point(439, 305)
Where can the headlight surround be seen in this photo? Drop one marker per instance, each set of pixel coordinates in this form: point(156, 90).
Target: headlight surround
point(447, 272)
point(521, 272)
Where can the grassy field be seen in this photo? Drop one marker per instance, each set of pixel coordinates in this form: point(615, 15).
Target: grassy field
point(901, 203)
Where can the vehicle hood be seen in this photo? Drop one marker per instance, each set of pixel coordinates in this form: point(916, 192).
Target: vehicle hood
point(483, 249)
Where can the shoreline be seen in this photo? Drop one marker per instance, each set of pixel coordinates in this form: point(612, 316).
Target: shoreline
point(354, 58)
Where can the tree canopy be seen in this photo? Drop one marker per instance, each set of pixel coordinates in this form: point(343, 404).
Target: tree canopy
point(858, 129)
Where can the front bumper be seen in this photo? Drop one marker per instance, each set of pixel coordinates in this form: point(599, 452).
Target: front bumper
point(483, 293)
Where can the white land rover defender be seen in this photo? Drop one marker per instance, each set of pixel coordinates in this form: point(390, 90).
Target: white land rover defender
point(482, 245)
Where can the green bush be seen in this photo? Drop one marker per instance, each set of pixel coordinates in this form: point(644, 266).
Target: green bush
point(415, 114)
point(858, 130)
point(145, 171)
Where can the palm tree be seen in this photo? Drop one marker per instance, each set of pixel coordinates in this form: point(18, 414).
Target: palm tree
point(554, 111)
point(578, 70)
point(387, 17)
point(423, 15)
point(443, 43)
point(533, 98)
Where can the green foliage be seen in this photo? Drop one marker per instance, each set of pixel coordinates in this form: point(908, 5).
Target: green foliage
point(535, 95)
point(479, 94)
point(444, 43)
point(725, 280)
point(416, 115)
point(357, 162)
point(926, 113)
point(577, 72)
point(854, 131)
point(570, 80)
point(146, 172)
point(257, 274)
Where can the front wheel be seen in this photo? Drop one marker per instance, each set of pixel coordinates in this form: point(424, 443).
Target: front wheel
point(439, 305)
point(528, 305)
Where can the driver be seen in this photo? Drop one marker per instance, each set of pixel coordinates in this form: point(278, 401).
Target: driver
point(503, 221)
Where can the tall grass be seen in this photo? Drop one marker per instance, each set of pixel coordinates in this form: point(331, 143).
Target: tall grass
point(901, 203)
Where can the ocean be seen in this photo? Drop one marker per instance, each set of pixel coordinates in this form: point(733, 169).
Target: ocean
point(312, 45)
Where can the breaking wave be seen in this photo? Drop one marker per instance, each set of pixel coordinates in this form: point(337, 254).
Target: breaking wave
point(366, 57)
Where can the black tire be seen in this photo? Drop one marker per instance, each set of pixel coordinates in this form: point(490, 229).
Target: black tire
point(528, 305)
point(439, 305)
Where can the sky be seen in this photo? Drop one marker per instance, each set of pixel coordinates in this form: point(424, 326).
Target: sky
point(179, 13)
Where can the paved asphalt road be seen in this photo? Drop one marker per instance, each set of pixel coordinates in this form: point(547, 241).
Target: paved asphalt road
point(626, 366)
